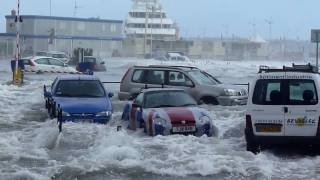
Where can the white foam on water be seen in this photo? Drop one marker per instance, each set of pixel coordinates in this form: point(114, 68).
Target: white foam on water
point(32, 148)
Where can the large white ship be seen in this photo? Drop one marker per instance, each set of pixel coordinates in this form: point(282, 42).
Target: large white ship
point(147, 19)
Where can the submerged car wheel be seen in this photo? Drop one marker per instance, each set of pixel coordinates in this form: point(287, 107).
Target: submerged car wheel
point(210, 101)
point(252, 146)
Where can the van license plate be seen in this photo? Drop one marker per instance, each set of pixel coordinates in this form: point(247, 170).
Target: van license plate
point(182, 129)
point(268, 128)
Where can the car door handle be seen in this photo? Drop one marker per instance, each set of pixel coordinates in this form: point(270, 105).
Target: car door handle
point(285, 109)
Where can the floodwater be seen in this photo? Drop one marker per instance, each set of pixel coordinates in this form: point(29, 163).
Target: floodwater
point(32, 148)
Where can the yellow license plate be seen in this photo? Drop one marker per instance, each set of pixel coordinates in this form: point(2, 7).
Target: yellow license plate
point(268, 128)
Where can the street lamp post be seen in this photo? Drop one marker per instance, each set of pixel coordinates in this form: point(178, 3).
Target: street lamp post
point(145, 30)
point(253, 28)
point(226, 30)
point(151, 37)
point(269, 22)
point(50, 7)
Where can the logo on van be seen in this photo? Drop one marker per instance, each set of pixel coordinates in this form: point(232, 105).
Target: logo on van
point(301, 121)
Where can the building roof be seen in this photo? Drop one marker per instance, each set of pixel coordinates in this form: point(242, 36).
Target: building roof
point(63, 37)
point(66, 18)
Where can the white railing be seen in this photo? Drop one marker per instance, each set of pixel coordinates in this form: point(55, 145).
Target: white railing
point(150, 31)
point(150, 20)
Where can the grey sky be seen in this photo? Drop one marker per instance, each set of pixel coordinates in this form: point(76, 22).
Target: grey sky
point(292, 18)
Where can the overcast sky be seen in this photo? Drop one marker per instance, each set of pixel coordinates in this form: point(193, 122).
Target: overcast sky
point(291, 18)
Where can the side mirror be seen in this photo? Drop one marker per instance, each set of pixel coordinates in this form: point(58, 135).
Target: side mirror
point(110, 95)
point(189, 84)
point(47, 94)
point(133, 96)
point(134, 105)
point(200, 102)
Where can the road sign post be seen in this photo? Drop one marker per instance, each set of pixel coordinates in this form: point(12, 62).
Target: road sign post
point(317, 53)
point(315, 38)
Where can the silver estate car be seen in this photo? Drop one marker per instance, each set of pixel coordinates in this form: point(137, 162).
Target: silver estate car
point(202, 86)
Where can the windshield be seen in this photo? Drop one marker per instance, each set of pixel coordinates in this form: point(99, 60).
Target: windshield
point(203, 78)
point(59, 56)
point(77, 88)
point(168, 99)
point(89, 59)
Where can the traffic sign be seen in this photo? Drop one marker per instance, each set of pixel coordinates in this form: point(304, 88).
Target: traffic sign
point(315, 35)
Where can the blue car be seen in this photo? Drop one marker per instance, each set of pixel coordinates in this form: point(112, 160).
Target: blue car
point(91, 64)
point(82, 98)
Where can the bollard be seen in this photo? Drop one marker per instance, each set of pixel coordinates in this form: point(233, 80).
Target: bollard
point(54, 110)
point(59, 119)
point(44, 90)
point(17, 67)
point(58, 114)
point(49, 106)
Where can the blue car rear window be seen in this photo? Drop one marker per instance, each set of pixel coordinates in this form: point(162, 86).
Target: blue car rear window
point(79, 88)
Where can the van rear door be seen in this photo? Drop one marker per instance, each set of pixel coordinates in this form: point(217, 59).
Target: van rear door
point(302, 113)
point(267, 112)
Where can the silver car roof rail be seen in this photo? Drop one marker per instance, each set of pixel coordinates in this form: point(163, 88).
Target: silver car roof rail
point(146, 87)
point(308, 68)
point(168, 66)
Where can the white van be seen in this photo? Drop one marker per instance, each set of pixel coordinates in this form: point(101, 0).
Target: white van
point(283, 107)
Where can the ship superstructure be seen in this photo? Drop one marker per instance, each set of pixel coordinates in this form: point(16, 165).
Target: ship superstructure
point(147, 19)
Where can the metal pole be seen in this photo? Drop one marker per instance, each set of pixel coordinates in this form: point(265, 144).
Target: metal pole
point(317, 63)
point(17, 73)
point(7, 49)
point(100, 48)
point(17, 56)
point(71, 50)
point(50, 7)
point(317, 53)
point(145, 30)
point(151, 38)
